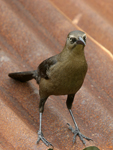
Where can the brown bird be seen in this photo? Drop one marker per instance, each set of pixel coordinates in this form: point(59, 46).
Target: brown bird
point(62, 74)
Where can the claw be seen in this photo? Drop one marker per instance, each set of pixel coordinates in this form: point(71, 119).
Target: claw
point(81, 138)
point(74, 138)
point(41, 137)
point(77, 132)
point(70, 127)
point(87, 138)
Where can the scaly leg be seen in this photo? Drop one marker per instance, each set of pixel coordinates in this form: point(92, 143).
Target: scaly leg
point(40, 134)
point(77, 131)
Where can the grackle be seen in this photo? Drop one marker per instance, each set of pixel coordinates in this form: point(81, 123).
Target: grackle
point(62, 74)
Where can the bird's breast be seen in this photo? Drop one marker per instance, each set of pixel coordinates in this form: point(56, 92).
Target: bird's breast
point(66, 77)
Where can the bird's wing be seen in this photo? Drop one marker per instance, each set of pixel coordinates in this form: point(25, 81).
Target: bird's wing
point(44, 67)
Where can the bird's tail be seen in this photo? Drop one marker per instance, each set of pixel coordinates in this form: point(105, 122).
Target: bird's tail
point(23, 76)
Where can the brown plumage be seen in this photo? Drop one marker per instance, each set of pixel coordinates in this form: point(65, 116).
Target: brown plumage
point(62, 74)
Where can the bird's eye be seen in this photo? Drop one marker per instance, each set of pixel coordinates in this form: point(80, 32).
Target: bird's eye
point(84, 38)
point(72, 40)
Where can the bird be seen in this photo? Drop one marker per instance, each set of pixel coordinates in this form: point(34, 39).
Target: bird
point(61, 74)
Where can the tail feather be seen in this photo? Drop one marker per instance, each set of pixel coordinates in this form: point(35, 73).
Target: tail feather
point(23, 76)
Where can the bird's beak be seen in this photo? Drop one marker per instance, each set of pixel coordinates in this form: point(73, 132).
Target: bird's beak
point(81, 41)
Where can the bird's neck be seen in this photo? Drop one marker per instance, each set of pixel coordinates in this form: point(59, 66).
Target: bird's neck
point(76, 52)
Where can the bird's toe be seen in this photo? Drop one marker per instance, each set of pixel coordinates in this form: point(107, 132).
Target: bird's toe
point(41, 137)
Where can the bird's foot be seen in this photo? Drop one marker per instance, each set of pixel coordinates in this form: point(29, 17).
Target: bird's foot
point(41, 137)
point(77, 132)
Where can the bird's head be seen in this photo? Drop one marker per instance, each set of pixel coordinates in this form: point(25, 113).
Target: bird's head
point(75, 39)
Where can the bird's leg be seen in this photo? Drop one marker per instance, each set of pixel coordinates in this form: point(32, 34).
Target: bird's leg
point(75, 131)
point(40, 134)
